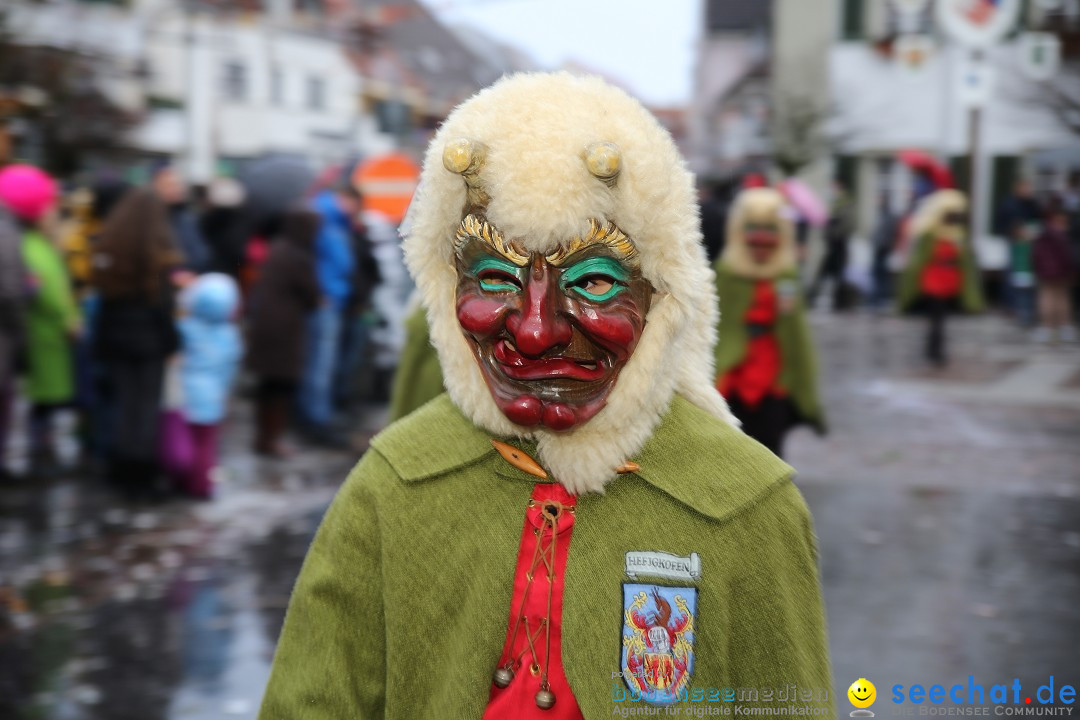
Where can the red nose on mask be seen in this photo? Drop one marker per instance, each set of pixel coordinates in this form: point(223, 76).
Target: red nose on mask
point(540, 326)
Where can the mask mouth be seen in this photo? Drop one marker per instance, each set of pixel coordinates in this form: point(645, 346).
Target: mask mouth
point(762, 243)
point(519, 367)
point(758, 238)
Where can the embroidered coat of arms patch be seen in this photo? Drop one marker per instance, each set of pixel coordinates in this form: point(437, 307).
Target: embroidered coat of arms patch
point(658, 640)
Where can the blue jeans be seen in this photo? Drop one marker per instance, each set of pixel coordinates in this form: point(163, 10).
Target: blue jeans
point(316, 387)
point(1023, 301)
point(354, 346)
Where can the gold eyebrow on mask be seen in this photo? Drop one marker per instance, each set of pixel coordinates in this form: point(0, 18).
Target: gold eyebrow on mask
point(473, 228)
point(600, 234)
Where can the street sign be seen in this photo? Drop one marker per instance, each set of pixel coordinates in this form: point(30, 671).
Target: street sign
point(1040, 55)
point(974, 83)
point(386, 184)
point(977, 23)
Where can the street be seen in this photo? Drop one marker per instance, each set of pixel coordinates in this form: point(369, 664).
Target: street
point(947, 505)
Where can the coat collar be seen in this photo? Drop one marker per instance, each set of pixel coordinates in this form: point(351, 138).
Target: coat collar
point(694, 457)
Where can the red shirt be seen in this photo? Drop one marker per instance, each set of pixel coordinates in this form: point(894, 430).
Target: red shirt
point(941, 277)
point(756, 376)
point(518, 699)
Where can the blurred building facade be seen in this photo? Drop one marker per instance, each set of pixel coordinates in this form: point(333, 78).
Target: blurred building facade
point(762, 95)
point(219, 82)
point(890, 93)
point(828, 89)
point(728, 117)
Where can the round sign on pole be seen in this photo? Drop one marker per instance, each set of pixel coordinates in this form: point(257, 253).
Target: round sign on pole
point(1040, 55)
point(386, 184)
point(977, 23)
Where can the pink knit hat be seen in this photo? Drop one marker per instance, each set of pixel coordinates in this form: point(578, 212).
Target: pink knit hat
point(26, 191)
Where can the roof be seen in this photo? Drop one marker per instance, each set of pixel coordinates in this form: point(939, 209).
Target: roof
point(727, 15)
point(417, 50)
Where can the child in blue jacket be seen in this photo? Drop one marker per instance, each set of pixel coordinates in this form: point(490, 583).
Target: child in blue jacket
point(211, 348)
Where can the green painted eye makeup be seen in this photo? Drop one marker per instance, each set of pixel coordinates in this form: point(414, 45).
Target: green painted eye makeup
point(496, 284)
point(608, 268)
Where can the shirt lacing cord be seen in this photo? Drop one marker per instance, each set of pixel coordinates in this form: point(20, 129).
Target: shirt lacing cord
point(550, 512)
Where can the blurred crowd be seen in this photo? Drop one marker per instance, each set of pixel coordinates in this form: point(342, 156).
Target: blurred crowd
point(1044, 256)
point(139, 306)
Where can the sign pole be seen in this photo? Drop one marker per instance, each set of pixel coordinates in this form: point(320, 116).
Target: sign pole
point(977, 26)
point(974, 148)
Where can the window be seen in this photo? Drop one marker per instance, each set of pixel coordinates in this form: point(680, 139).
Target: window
point(853, 22)
point(394, 117)
point(316, 93)
point(235, 81)
point(277, 86)
point(899, 23)
point(737, 15)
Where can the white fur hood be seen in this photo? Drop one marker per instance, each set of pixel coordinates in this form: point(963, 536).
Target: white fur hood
point(535, 128)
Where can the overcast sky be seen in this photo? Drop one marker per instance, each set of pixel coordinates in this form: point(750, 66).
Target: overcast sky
point(648, 45)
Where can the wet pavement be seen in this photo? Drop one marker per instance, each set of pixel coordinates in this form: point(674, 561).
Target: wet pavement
point(115, 611)
point(947, 505)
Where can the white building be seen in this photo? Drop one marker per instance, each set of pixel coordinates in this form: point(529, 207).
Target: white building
point(756, 56)
point(213, 87)
point(729, 109)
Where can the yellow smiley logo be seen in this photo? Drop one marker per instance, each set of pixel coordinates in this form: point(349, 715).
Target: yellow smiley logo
point(862, 693)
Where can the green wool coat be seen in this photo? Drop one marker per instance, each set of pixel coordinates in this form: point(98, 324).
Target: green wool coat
point(402, 606)
point(419, 377)
point(799, 370)
point(52, 315)
point(971, 298)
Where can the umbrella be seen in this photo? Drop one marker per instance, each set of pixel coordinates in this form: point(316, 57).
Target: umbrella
point(276, 182)
point(923, 162)
point(805, 201)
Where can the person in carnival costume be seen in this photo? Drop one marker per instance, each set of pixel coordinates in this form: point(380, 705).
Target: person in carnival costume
point(940, 276)
point(578, 521)
point(766, 365)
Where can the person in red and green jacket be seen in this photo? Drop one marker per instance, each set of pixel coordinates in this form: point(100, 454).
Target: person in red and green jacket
point(766, 365)
point(576, 526)
point(940, 276)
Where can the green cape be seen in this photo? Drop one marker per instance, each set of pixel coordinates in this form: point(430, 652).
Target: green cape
point(401, 609)
point(799, 371)
point(418, 378)
point(971, 299)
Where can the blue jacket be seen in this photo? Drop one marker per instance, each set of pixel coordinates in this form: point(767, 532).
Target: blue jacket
point(189, 239)
point(334, 260)
point(211, 347)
